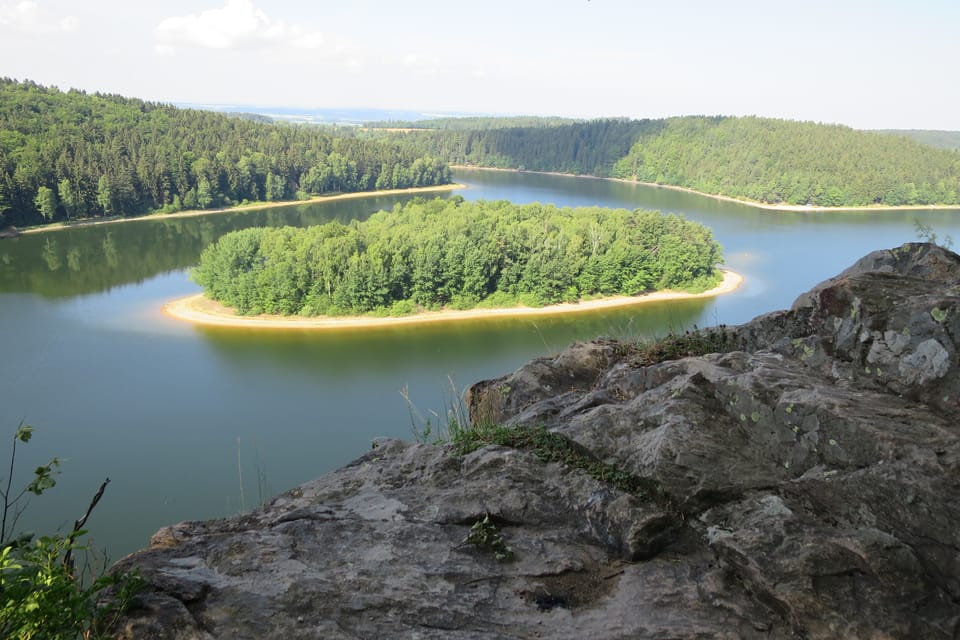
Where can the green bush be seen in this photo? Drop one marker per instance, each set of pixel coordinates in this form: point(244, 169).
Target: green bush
point(43, 596)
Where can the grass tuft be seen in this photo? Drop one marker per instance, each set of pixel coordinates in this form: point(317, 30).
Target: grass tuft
point(553, 447)
point(698, 342)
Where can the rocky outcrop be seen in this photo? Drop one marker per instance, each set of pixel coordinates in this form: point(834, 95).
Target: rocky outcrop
point(806, 478)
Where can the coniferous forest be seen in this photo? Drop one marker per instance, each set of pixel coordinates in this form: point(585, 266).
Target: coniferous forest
point(67, 155)
point(580, 148)
point(760, 159)
point(797, 163)
point(438, 253)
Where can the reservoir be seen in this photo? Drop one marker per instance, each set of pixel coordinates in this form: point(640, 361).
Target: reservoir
point(199, 422)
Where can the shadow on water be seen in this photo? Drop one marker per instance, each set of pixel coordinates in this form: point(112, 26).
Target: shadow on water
point(448, 346)
point(97, 258)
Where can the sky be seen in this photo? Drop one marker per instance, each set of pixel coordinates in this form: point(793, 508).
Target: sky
point(867, 64)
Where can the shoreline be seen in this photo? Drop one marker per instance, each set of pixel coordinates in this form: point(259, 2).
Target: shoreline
point(202, 311)
point(794, 208)
point(193, 213)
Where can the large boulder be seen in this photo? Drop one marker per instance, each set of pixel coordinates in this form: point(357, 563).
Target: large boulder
point(806, 474)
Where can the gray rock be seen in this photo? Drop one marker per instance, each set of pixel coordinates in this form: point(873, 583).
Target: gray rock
point(809, 479)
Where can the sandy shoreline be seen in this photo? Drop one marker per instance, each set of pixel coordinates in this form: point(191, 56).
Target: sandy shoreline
point(202, 311)
point(247, 207)
point(749, 203)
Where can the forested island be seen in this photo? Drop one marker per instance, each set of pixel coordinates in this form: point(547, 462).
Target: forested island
point(449, 253)
point(70, 155)
point(754, 159)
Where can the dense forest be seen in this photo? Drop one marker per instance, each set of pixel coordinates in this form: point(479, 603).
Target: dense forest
point(67, 155)
point(437, 253)
point(760, 159)
point(588, 148)
point(799, 163)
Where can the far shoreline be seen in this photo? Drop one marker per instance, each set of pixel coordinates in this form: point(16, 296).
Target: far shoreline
point(256, 206)
point(200, 310)
point(796, 208)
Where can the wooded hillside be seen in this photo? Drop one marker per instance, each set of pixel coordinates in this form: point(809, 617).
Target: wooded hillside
point(780, 161)
point(760, 159)
point(69, 155)
point(589, 148)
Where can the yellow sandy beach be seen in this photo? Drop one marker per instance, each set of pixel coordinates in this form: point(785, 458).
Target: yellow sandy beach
point(247, 207)
point(750, 203)
point(203, 311)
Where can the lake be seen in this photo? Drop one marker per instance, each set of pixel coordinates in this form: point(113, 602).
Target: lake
point(196, 423)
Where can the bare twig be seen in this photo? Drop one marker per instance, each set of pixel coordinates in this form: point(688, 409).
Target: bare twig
point(6, 492)
point(243, 506)
point(78, 525)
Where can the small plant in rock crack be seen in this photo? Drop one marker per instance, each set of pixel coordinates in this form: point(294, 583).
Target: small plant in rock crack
point(485, 536)
point(698, 342)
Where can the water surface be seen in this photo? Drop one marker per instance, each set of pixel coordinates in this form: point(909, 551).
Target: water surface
point(176, 414)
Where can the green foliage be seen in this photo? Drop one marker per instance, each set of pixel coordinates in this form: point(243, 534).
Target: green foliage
point(760, 159)
point(109, 155)
point(42, 599)
point(429, 254)
point(485, 535)
point(926, 233)
point(590, 148)
point(43, 479)
point(797, 163)
point(698, 342)
point(42, 594)
point(46, 202)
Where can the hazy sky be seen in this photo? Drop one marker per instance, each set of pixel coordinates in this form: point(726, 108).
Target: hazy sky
point(867, 64)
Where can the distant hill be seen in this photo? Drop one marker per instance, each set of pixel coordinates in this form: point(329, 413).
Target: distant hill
point(584, 148)
point(334, 116)
point(471, 123)
point(69, 154)
point(934, 138)
point(759, 159)
point(797, 163)
point(66, 155)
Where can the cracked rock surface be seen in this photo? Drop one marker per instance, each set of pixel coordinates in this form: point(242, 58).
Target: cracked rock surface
point(809, 468)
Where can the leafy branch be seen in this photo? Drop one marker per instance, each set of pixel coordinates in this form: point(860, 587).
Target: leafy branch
point(42, 594)
point(43, 479)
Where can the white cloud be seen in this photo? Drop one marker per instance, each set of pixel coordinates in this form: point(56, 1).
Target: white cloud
point(237, 25)
point(28, 17)
point(423, 64)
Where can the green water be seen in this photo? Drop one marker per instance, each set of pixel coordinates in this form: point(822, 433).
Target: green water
point(176, 414)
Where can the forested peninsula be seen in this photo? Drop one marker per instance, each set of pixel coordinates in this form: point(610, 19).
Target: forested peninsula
point(449, 253)
point(70, 155)
point(762, 160)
